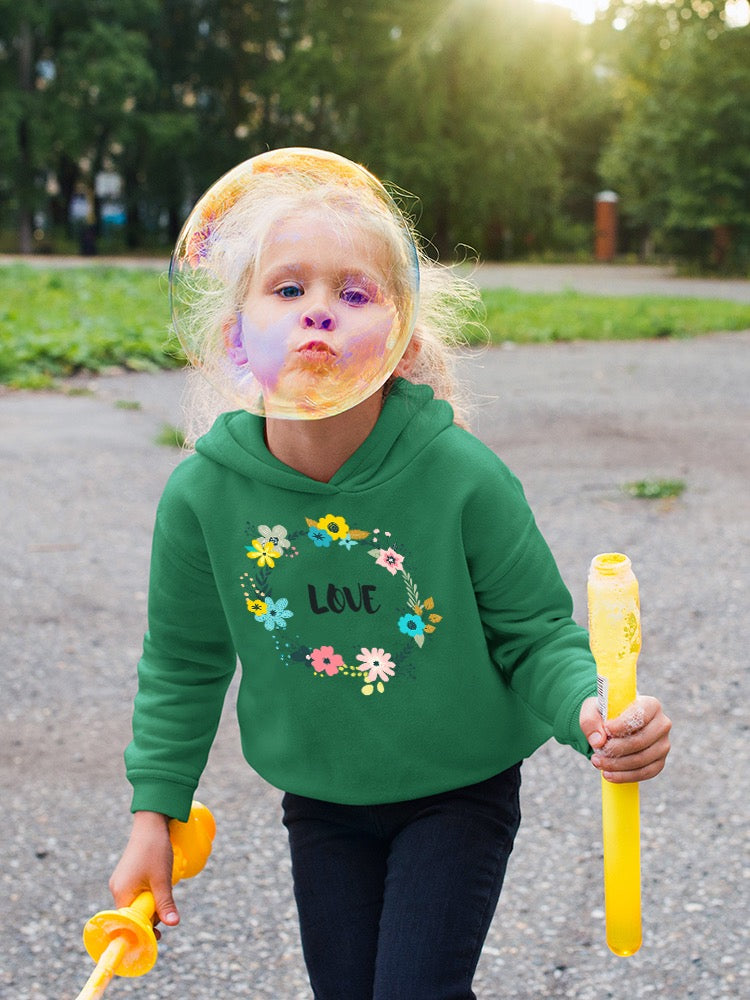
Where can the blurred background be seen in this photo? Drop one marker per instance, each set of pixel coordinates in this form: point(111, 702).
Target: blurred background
point(552, 131)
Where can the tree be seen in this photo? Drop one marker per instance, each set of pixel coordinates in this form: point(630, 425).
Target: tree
point(680, 157)
point(22, 81)
point(80, 70)
point(103, 79)
point(491, 111)
point(474, 98)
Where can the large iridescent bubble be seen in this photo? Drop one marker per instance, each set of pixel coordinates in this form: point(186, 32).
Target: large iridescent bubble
point(294, 283)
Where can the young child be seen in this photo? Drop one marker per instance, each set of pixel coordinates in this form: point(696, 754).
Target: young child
point(404, 635)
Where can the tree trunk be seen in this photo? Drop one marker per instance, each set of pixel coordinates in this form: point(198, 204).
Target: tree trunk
point(25, 158)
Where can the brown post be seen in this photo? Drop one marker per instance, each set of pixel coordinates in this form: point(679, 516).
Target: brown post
point(605, 226)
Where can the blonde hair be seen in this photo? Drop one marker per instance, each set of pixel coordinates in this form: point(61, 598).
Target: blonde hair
point(208, 295)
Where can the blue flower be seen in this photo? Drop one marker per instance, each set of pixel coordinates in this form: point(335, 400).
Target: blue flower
point(275, 614)
point(321, 538)
point(348, 541)
point(411, 625)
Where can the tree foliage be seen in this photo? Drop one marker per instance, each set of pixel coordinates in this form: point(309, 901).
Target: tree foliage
point(680, 154)
point(503, 116)
point(475, 105)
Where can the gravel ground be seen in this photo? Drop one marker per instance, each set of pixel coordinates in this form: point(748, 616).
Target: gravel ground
point(81, 477)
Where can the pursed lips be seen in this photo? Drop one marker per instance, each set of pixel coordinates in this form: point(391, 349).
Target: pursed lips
point(316, 348)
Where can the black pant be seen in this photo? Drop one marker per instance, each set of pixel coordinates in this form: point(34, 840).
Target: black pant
point(395, 900)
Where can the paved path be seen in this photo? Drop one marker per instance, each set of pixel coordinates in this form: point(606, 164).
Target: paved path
point(609, 279)
point(596, 279)
point(81, 476)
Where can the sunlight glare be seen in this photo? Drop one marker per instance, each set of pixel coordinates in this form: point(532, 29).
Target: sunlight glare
point(582, 10)
point(737, 13)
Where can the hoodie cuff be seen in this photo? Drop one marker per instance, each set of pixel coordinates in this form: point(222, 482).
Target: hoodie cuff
point(172, 799)
point(570, 732)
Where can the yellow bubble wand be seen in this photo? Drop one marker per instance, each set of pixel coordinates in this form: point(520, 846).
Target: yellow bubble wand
point(122, 942)
point(615, 638)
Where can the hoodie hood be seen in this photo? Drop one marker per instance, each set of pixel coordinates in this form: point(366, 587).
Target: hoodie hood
point(410, 420)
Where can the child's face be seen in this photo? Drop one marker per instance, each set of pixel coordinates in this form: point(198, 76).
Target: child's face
point(316, 321)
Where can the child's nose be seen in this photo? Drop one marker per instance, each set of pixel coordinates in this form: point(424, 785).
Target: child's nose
point(318, 319)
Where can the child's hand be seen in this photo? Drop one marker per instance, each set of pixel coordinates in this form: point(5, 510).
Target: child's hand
point(146, 864)
point(632, 747)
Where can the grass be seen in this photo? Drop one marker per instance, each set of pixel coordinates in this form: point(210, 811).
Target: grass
point(54, 322)
point(57, 321)
point(170, 436)
point(543, 318)
point(656, 489)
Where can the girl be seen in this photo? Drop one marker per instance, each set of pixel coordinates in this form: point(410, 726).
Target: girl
point(404, 635)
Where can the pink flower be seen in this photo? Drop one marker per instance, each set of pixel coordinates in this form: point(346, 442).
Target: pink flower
point(324, 660)
point(391, 560)
point(378, 663)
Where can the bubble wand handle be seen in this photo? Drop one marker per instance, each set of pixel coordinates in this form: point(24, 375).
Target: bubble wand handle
point(107, 966)
point(615, 637)
point(122, 942)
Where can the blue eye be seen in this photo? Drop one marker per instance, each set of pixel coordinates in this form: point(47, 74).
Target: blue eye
point(289, 291)
point(356, 296)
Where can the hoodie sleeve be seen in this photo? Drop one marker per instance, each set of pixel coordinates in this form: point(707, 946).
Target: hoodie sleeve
point(187, 664)
point(526, 609)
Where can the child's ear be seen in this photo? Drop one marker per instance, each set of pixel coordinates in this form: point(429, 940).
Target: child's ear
point(406, 365)
point(233, 341)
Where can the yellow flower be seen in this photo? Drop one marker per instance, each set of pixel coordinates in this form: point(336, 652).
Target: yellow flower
point(265, 553)
point(256, 607)
point(336, 527)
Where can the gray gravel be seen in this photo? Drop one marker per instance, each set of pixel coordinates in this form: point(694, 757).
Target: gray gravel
point(81, 477)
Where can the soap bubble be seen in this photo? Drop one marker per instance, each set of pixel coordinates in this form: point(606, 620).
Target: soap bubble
point(294, 284)
point(635, 719)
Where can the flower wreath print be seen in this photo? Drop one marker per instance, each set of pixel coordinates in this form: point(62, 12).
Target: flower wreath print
point(271, 550)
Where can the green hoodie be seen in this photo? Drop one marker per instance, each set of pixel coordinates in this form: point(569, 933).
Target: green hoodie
point(402, 629)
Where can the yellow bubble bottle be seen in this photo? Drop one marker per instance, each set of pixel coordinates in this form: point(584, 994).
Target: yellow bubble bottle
point(615, 637)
